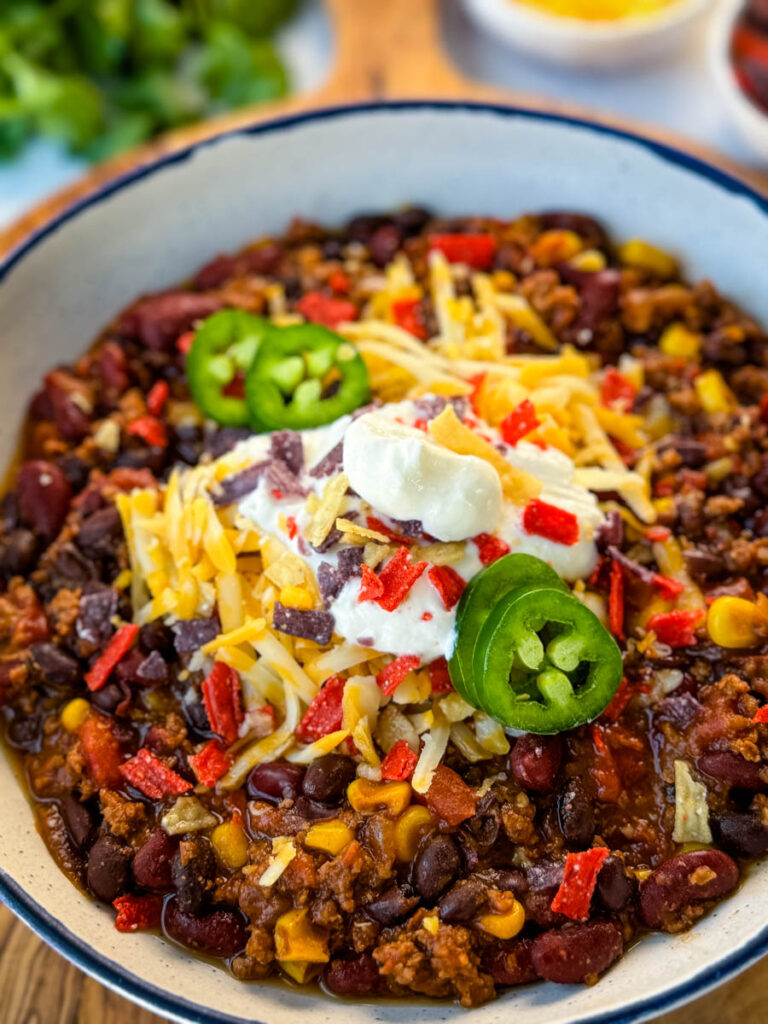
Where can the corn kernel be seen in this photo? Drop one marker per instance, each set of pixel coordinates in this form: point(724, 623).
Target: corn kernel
point(431, 924)
point(678, 340)
point(297, 939)
point(735, 622)
point(503, 280)
point(329, 836)
point(365, 795)
point(590, 261)
point(297, 597)
point(713, 393)
point(506, 925)
point(300, 971)
point(637, 253)
point(231, 844)
point(75, 713)
point(410, 828)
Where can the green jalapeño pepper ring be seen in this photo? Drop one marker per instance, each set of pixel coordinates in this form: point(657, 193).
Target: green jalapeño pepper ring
point(481, 596)
point(302, 377)
point(222, 350)
point(544, 663)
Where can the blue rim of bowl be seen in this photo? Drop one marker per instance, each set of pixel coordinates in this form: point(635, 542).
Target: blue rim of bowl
point(52, 931)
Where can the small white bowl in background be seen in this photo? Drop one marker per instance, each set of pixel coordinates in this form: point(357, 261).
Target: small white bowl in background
point(748, 118)
point(593, 45)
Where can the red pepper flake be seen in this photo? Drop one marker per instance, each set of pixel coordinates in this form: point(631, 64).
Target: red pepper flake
point(277, 494)
point(761, 715)
point(135, 912)
point(449, 585)
point(147, 773)
point(184, 342)
point(597, 572)
point(395, 672)
point(616, 601)
point(427, 616)
point(116, 649)
point(421, 424)
point(221, 697)
point(327, 310)
point(478, 250)
point(619, 701)
point(617, 388)
point(449, 797)
point(149, 429)
point(373, 523)
point(519, 422)
point(440, 677)
point(676, 628)
point(210, 763)
point(324, 714)
point(371, 587)
point(604, 771)
point(489, 548)
point(408, 314)
point(669, 589)
point(399, 763)
point(157, 397)
point(340, 282)
point(657, 533)
point(474, 396)
point(397, 577)
point(545, 520)
point(102, 750)
point(293, 529)
point(579, 880)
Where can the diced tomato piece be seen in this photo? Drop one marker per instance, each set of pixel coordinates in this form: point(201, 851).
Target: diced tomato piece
point(521, 421)
point(476, 250)
point(116, 649)
point(574, 896)
point(449, 585)
point(408, 314)
point(616, 601)
point(340, 283)
point(102, 750)
point(668, 587)
point(221, 697)
point(440, 677)
point(374, 523)
point(157, 396)
point(427, 616)
point(371, 587)
point(617, 388)
point(603, 769)
point(397, 577)
point(399, 762)
point(137, 912)
point(747, 43)
point(676, 628)
point(545, 520)
point(210, 763)
point(489, 548)
point(319, 308)
point(761, 715)
point(147, 773)
point(149, 429)
point(395, 672)
point(324, 714)
point(449, 797)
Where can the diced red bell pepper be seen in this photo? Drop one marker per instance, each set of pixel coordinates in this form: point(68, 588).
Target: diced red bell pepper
point(619, 701)
point(157, 396)
point(440, 677)
point(616, 601)
point(319, 308)
point(324, 714)
point(521, 421)
point(761, 715)
point(115, 651)
point(137, 912)
point(210, 763)
point(397, 577)
point(449, 797)
point(408, 314)
point(395, 672)
point(545, 520)
point(676, 628)
point(617, 388)
point(477, 250)
point(371, 587)
point(449, 585)
point(746, 42)
point(399, 763)
point(474, 396)
point(147, 773)
point(374, 523)
point(221, 697)
point(292, 526)
point(340, 283)
point(574, 896)
point(668, 588)
point(149, 429)
point(603, 770)
point(657, 533)
point(184, 342)
point(102, 750)
point(489, 548)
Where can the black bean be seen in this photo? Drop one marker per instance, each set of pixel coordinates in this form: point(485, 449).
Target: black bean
point(25, 733)
point(383, 244)
point(54, 666)
point(193, 871)
point(742, 833)
point(109, 869)
point(535, 761)
point(18, 550)
point(392, 906)
point(327, 778)
point(412, 220)
point(114, 698)
point(614, 889)
point(274, 781)
point(156, 636)
point(437, 864)
point(75, 469)
point(463, 901)
point(313, 810)
point(704, 564)
point(100, 534)
point(79, 819)
point(482, 830)
point(575, 813)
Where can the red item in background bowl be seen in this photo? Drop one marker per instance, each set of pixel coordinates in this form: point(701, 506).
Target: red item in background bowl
point(749, 52)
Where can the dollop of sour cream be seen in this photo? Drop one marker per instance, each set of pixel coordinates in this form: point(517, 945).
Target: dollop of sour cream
point(397, 473)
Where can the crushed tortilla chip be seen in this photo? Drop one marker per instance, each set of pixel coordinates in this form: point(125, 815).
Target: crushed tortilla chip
point(327, 511)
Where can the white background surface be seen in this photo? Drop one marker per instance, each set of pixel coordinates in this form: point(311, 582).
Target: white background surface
point(678, 93)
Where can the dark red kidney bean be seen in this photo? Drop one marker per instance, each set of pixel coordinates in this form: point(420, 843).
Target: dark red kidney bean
point(383, 244)
point(215, 273)
point(221, 933)
point(613, 890)
point(100, 534)
point(741, 833)
point(728, 767)
point(355, 978)
point(588, 228)
point(72, 421)
point(159, 320)
point(79, 820)
point(535, 761)
point(437, 864)
point(463, 901)
point(40, 407)
point(598, 299)
point(54, 666)
point(111, 366)
point(575, 813)
point(18, 550)
point(688, 878)
point(313, 810)
point(193, 870)
point(108, 871)
point(392, 906)
point(570, 955)
point(152, 861)
point(327, 778)
point(510, 963)
point(274, 781)
point(44, 496)
point(361, 228)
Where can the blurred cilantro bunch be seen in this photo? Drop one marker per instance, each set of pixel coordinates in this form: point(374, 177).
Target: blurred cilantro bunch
point(101, 75)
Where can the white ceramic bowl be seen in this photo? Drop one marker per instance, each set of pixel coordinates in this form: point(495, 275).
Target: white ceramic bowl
point(750, 121)
point(156, 226)
point(591, 45)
